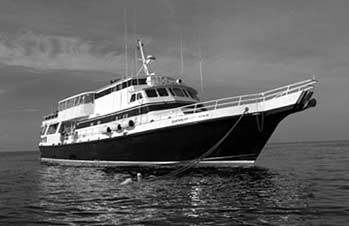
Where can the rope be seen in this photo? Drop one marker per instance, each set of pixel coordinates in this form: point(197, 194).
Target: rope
point(260, 125)
point(194, 162)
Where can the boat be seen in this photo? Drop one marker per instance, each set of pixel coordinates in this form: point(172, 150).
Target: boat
point(157, 120)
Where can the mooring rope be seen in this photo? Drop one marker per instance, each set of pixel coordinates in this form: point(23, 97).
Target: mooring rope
point(194, 162)
point(260, 125)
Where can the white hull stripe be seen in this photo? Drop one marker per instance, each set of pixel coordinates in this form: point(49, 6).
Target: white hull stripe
point(144, 163)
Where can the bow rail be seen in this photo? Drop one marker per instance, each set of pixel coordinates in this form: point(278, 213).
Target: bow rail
point(248, 99)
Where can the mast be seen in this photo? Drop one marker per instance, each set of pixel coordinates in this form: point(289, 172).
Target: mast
point(125, 30)
point(145, 61)
point(200, 66)
point(181, 54)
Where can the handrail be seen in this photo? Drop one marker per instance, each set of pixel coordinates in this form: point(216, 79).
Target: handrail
point(244, 99)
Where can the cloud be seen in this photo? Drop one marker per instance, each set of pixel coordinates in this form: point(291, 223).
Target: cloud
point(2, 91)
point(48, 52)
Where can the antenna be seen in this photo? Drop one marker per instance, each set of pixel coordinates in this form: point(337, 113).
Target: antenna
point(181, 54)
point(135, 36)
point(125, 31)
point(200, 65)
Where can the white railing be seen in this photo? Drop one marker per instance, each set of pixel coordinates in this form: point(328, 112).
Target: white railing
point(248, 99)
point(233, 101)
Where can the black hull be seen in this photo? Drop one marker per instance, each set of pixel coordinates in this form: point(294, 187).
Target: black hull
point(180, 143)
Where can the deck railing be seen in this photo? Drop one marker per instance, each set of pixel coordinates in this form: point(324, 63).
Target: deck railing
point(248, 99)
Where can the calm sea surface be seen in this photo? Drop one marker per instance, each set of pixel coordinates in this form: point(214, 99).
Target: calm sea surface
point(292, 184)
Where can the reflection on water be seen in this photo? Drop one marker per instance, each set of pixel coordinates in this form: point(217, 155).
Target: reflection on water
point(242, 195)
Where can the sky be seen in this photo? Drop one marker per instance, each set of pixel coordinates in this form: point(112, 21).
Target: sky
point(53, 49)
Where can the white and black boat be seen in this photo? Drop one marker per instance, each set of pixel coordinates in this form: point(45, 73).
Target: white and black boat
point(158, 120)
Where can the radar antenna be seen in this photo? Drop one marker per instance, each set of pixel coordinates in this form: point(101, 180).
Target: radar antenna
point(145, 60)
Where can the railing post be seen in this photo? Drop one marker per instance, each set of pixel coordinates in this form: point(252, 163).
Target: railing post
point(239, 101)
point(215, 106)
point(195, 108)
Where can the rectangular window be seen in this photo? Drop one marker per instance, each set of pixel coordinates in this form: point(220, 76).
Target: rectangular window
point(52, 128)
point(88, 98)
point(151, 93)
point(133, 98)
point(129, 83)
point(124, 85)
point(43, 129)
point(142, 81)
point(193, 95)
point(162, 92)
point(171, 91)
point(185, 93)
point(134, 82)
point(76, 101)
point(139, 96)
point(118, 87)
point(178, 92)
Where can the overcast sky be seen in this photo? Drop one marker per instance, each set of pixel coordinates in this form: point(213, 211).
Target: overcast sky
point(52, 49)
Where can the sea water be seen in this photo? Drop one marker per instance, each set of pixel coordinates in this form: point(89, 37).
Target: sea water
point(291, 184)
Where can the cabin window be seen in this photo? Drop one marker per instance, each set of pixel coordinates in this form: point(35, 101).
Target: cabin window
point(52, 128)
point(171, 91)
point(162, 92)
point(151, 93)
point(118, 87)
point(185, 93)
point(134, 82)
point(178, 92)
point(133, 98)
point(43, 129)
point(139, 96)
point(88, 98)
point(129, 83)
point(124, 85)
point(142, 81)
point(192, 95)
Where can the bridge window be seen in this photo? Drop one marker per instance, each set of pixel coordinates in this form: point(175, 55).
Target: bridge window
point(52, 128)
point(162, 92)
point(178, 92)
point(185, 93)
point(151, 93)
point(192, 95)
point(171, 91)
point(43, 130)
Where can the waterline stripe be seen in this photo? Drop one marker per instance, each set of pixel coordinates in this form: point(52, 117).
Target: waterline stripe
point(144, 163)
